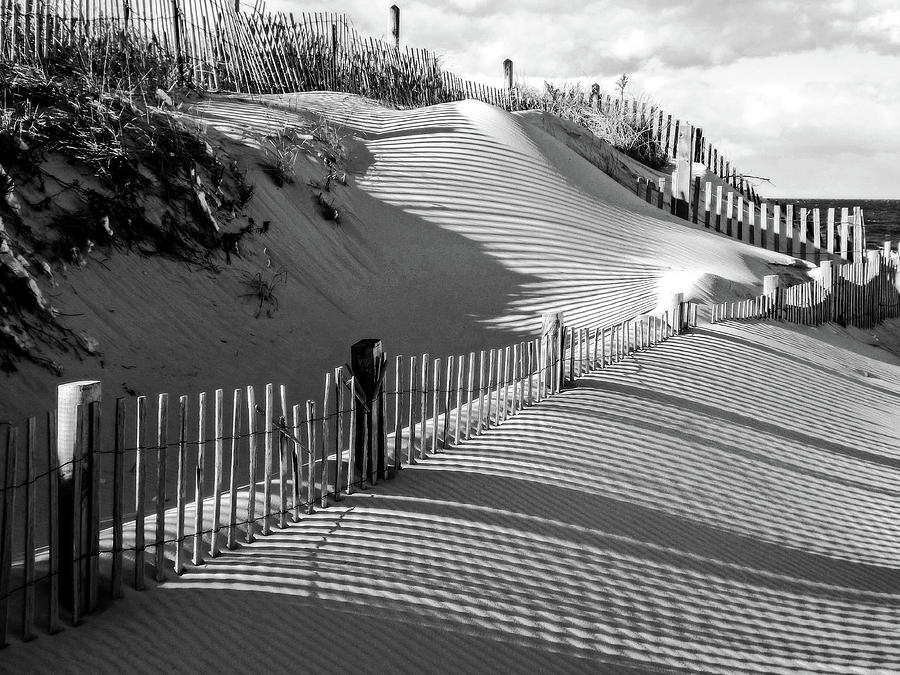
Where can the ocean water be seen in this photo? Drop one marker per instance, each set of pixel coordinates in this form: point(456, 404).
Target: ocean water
point(882, 215)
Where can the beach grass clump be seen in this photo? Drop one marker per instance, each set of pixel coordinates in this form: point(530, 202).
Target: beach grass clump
point(630, 134)
point(261, 289)
point(130, 172)
point(281, 149)
point(87, 169)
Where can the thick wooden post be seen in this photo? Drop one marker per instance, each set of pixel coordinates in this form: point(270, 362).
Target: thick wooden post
point(554, 334)
point(802, 233)
point(789, 238)
point(817, 235)
point(682, 188)
point(707, 204)
point(395, 25)
point(176, 25)
point(673, 305)
point(69, 397)
point(729, 214)
point(695, 200)
point(719, 189)
point(508, 74)
point(367, 364)
point(776, 227)
point(771, 289)
point(845, 232)
point(859, 235)
point(751, 222)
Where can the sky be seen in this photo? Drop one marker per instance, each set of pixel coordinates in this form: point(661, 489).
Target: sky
point(805, 93)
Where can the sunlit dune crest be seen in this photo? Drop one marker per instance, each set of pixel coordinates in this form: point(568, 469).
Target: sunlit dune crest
point(592, 249)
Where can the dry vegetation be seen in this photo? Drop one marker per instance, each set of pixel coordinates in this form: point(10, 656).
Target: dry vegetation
point(89, 164)
point(633, 136)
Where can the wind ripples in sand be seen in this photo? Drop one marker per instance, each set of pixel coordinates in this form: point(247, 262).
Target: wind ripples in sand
point(479, 172)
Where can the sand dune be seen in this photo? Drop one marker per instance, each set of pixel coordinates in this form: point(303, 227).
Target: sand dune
point(725, 502)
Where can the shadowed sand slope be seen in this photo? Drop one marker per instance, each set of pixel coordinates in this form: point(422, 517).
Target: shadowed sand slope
point(459, 226)
point(664, 514)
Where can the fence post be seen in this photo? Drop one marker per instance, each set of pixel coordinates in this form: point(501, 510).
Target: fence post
point(789, 238)
point(845, 232)
point(682, 187)
point(776, 228)
point(179, 60)
point(771, 289)
point(674, 306)
point(552, 331)
point(395, 25)
point(859, 234)
point(68, 397)
point(827, 282)
point(334, 59)
point(367, 365)
point(508, 74)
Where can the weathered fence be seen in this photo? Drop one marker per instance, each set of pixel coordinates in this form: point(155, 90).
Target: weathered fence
point(238, 466)
point(676, 138)
point(799, 232)
point(859, 294)
point(211, 44)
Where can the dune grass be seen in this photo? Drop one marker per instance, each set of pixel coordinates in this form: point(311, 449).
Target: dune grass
point(87, 167)
point(630, 134)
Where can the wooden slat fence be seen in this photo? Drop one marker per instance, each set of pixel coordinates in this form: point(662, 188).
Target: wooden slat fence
point(190, 477)
point(860, 294)
point(594, 347)
point(211, 45)
point(803, 233)
point(663, 127)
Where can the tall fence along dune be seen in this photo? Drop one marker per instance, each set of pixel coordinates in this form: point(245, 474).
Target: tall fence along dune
point(214, 45)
